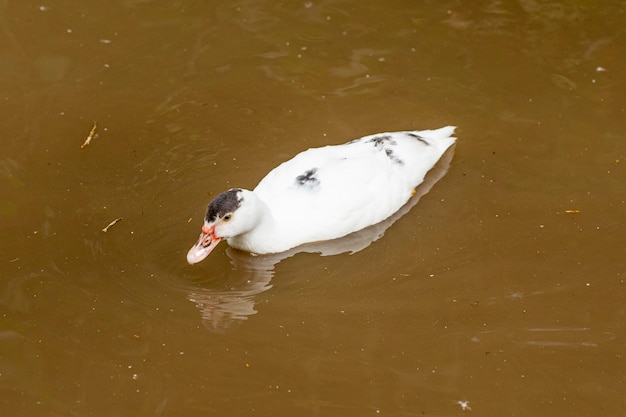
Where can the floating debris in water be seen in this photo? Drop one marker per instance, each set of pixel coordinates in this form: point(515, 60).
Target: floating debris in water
point(108, 226)
point(91, 135)
point(464, 405)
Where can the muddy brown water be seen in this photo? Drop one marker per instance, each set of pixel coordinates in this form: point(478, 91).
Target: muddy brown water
point(500, 293)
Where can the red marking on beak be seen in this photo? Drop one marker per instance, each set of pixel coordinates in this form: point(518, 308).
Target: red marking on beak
point(209, 231)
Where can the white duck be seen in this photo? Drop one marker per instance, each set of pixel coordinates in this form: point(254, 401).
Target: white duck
point(323, 193)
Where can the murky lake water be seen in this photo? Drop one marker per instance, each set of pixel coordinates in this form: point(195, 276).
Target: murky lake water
point(501, 293)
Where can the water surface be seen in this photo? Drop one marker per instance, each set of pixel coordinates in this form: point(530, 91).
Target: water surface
point(500, 293)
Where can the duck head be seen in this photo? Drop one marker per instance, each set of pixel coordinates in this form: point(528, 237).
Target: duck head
point(230, 214)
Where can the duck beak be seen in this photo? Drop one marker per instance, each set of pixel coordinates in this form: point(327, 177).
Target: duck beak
point(206, 243)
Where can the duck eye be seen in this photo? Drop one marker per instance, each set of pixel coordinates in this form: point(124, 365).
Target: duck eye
point(227, 217)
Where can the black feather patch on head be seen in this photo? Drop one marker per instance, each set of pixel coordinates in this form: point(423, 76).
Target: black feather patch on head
point(227, 202)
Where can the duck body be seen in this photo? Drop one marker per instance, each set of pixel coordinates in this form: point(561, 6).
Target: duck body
point(323, 193)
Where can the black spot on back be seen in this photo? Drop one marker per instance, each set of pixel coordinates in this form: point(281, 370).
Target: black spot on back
point(226, 202)
point(418, 137)
point(308, 178)
point(385, 144)
point(381, 140)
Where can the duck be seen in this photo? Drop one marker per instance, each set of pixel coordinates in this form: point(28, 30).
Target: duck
point(323, 193)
